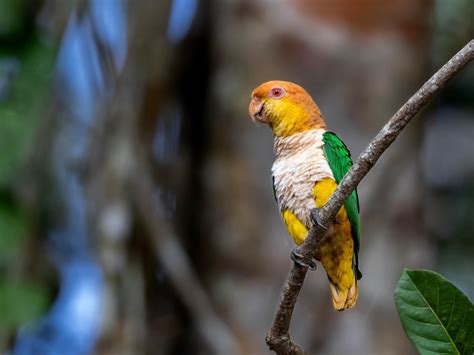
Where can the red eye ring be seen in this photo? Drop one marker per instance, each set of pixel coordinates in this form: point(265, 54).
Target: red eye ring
point(277, 92)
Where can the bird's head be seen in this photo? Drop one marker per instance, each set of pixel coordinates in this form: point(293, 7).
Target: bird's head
point(286, 107)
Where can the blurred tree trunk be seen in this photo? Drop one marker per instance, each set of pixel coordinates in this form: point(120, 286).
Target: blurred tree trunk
point(159, 104)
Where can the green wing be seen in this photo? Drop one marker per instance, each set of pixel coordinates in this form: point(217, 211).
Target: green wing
point(340, 161)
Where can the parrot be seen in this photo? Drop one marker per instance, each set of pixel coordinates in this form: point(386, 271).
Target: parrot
point(310, 162)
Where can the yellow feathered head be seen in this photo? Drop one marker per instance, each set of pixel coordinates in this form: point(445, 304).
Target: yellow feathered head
point(286, 107)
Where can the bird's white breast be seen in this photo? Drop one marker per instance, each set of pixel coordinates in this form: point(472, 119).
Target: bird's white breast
point(300, 163)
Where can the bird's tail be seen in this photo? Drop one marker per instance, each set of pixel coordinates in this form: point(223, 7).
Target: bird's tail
point(344, 298)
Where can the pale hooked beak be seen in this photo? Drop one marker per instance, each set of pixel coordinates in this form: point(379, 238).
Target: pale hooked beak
point(256, 110)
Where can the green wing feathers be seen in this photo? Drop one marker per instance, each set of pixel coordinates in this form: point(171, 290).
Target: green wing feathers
point(340, 161)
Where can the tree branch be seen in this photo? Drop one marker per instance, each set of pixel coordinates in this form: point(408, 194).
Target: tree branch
point(278, 338)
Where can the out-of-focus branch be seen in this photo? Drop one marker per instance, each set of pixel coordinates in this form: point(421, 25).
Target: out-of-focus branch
point(278, 338)
point(175, 261)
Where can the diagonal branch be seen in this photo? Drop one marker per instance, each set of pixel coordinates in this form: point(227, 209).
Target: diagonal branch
point(278, 338)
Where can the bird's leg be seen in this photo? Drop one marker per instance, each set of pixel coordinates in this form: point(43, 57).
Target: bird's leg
point(297, 258)
point(315, 219)
point(296, 254)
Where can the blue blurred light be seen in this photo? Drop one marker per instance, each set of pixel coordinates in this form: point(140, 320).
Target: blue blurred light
point(167, 134)
point(72, 325)
point(80, 65)
point(181, 19)
point(74, 68)
point(111, 23)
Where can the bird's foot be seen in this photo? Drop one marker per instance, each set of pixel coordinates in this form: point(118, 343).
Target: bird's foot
point(297, 258)
point(315, 218)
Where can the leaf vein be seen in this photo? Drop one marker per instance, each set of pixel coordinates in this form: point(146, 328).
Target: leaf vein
point(436, 315)
point(421, 322)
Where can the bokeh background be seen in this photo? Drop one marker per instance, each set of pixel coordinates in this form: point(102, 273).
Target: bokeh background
point(136, 207)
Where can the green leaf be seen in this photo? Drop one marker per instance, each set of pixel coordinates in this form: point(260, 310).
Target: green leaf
point(436, 316)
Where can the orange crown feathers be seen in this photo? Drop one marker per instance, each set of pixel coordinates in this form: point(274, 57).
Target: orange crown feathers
point(286, 107)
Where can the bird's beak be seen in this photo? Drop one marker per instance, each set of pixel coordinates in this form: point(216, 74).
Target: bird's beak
point(256, 110)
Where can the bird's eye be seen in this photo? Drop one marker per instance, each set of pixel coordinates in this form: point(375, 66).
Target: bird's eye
point(277, 92)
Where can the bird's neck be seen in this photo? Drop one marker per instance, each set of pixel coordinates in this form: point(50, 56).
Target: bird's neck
point(291, 119)
point(286, 146)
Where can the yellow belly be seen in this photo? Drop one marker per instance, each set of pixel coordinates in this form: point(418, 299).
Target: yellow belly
point(336, 251)
point(294, 226)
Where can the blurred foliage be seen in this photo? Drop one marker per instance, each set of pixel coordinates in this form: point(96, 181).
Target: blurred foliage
point(26, 76)
point(13, 15)
point(436, 315)
point(453, 28)
point(454, 25)
point(13, 229)
point(26, 66)
point(21, 299)
point(21, 302)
